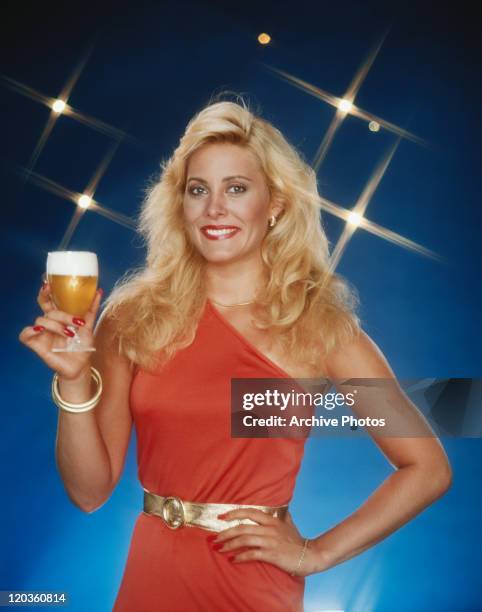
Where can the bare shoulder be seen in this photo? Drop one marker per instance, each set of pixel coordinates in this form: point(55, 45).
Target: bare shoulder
point(106, 339)
point(116, 369)
point(358, 358)
point(105, 327)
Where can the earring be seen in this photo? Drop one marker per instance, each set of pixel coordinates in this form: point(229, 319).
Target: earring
point(272, 221)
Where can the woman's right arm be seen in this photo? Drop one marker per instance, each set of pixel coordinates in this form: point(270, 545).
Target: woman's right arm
point(91, 446)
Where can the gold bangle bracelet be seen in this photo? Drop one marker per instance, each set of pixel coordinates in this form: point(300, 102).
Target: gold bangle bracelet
point(82, 407)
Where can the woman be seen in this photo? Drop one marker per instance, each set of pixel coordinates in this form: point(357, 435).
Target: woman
point(236, 285)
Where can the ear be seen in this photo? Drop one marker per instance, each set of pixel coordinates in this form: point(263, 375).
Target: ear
point(276, 207)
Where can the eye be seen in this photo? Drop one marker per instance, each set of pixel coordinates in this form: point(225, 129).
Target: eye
point(192, 190)
point(241, 188)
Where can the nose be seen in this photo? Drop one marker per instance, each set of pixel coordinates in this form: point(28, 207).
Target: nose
point(216, 205)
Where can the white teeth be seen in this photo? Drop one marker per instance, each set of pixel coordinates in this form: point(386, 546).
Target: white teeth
point(220, 232)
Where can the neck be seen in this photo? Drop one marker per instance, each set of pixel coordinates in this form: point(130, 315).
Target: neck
point(233, 282)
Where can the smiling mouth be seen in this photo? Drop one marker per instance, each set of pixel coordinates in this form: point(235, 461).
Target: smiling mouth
point(219, 234)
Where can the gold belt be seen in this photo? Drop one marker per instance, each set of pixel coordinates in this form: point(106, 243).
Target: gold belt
point(178, 513)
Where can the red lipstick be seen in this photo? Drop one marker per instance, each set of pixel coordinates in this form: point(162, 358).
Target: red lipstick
point(219, 232)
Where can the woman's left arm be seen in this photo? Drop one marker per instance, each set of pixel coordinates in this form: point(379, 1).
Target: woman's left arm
point(423, 473)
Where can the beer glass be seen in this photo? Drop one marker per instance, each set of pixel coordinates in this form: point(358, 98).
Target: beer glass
point(73, 277)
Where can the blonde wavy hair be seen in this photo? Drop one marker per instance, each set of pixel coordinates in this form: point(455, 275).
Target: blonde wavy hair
point(303, 306)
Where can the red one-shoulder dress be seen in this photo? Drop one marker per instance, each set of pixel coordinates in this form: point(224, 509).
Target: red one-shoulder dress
point(182, 419)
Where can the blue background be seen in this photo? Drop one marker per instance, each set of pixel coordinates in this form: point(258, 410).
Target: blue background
point(153, 66)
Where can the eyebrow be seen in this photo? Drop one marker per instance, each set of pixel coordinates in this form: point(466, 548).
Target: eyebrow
point(226, 178)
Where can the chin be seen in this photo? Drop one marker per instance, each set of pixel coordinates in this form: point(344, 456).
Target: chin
point(220, 257)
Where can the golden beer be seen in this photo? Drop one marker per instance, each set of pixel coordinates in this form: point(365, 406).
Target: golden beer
point(72, 294)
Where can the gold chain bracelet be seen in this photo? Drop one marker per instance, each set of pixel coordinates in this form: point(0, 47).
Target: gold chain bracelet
point(301, 558)
point(82, 407)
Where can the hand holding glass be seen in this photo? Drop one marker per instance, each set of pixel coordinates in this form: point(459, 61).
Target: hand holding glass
point(73, 278)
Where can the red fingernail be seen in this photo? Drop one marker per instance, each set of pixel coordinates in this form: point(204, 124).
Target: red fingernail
point(38, 328)
point(211, 538)
point(78, 321)
point(68, 332)
point(231, 559)
point(217, 546)
point(221, 516)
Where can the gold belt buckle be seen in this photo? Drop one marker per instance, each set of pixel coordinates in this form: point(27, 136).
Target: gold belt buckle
point(173, 512)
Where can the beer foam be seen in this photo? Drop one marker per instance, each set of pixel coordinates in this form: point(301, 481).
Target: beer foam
point(72, 263)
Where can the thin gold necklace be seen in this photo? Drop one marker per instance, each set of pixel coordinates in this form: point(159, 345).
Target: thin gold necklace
point(230, 305)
